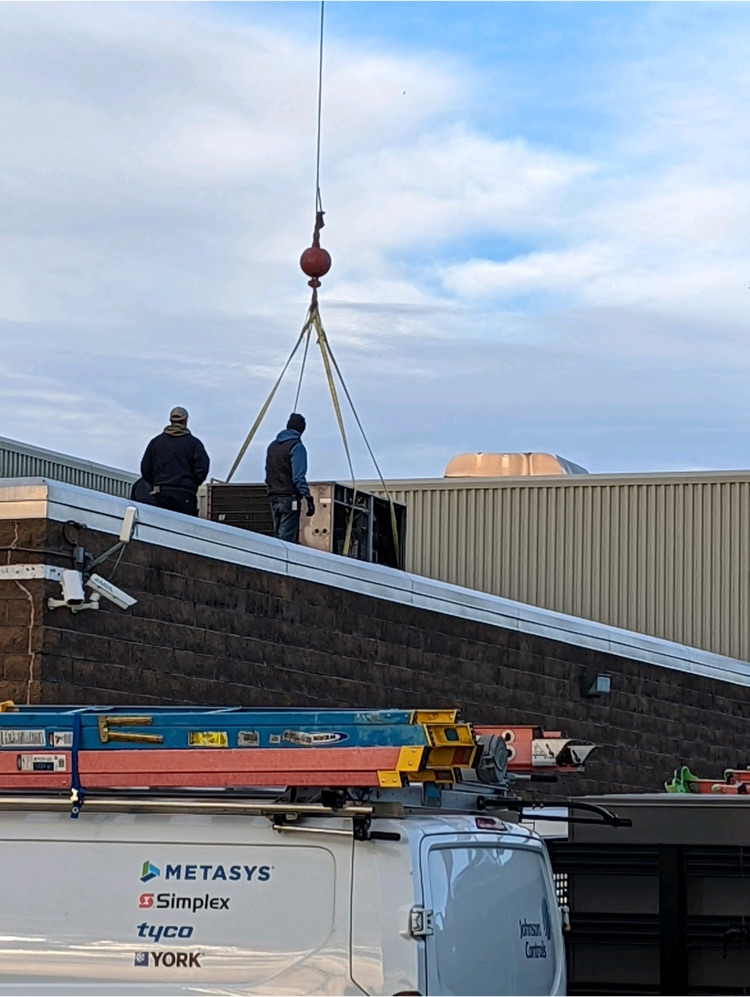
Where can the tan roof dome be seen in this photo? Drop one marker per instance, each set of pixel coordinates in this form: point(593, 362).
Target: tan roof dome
point(509, 465)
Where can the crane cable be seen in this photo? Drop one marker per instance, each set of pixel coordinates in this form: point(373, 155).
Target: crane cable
point(314, 322)
point(307, 326)
point(318, 199)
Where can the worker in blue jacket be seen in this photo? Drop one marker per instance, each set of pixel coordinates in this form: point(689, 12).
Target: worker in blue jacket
point(286, 482)
point(175, 465)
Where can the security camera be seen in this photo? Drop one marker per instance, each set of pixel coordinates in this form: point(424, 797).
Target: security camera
point(73, 595)
point(72, 587)
point(111, 592)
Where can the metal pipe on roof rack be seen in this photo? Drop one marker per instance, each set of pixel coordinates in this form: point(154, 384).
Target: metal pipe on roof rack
point(348, 832)
point(114, 804)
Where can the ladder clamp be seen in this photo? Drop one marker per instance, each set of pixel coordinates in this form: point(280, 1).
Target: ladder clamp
point(106, 735)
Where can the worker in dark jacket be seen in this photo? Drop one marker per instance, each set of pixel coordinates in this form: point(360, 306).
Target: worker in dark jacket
point(175, 465)
point(286, 482)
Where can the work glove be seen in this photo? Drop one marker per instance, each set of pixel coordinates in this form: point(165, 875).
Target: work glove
point(310, 506)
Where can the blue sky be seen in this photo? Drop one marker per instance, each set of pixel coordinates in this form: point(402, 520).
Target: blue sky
point(538, 215)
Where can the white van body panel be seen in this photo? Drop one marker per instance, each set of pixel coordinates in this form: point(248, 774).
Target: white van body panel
point(75, 904)
point(197, 902)
point(385, 957)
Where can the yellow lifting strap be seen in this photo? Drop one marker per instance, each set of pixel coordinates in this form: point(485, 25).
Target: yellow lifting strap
point(314, 322)
point(325, 349)
point(305, 333)
point(325, 352)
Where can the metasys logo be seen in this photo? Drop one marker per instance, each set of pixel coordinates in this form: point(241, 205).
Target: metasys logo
point(207, 873)
point(149, 872)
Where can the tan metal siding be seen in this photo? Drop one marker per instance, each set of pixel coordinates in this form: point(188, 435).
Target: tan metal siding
point(666, 555)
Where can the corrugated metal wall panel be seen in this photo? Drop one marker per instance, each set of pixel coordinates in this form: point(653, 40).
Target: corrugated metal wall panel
point(20, 460)
point(667, 555)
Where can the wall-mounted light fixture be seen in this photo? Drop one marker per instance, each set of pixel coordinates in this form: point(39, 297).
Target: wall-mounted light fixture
point(596, 684)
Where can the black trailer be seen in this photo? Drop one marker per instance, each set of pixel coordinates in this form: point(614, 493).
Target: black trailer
point(663, 906)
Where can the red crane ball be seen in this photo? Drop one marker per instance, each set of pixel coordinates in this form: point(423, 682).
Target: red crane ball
point(315, 262)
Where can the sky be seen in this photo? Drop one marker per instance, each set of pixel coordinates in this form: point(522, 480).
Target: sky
point(538, 215)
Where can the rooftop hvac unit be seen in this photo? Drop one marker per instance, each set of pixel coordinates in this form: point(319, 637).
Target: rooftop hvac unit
point(372, 539)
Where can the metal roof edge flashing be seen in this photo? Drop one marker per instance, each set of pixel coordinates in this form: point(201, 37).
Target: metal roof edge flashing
point(24, 498)
point(33, 498)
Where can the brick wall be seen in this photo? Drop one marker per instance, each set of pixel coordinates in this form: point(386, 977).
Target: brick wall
point(21, 613)
point(213, 633)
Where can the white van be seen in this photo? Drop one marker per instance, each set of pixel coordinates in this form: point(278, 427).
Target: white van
point(199, 897)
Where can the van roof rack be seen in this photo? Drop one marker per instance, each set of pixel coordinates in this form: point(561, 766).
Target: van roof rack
point(92, 748)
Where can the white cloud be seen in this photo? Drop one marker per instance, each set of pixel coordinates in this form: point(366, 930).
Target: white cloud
point(451, 183)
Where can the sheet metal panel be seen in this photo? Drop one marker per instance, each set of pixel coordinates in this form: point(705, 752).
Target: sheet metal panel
point(662, 554)
point(21, 460)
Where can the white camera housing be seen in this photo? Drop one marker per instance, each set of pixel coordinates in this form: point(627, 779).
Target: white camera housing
point(72, 587)
point(128, 524)
point(121, 599)
point(73, 594)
